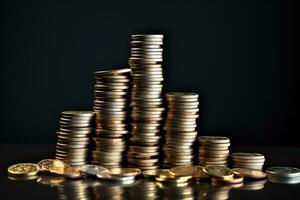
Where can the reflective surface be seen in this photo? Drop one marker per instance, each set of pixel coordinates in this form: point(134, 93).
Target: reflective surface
point(47, 187)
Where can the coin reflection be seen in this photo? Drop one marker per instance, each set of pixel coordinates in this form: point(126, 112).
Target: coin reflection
point(73, 189)
point(176, 191)
point(145, 190)
point(254, 185)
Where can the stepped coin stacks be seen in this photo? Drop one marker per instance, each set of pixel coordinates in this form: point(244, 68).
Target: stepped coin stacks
point(213, 150)
point(73, 137)
point(110, 106)
point(180, 128)
point(146, 101)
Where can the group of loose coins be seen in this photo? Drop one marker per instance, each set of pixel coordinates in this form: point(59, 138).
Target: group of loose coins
point(146, 101)
point(73, 137)
point(180, 128)
point(248, 160)
point(110, 106)
point(213, 150)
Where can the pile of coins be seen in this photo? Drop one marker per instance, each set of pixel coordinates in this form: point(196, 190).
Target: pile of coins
point(73, 137)
point(180, 128)
point(110, 106)
point(248, 160)
point(146, 101)
point(287, 175)
point(213, 150)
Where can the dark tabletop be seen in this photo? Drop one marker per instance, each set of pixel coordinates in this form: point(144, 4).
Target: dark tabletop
point(142, 189)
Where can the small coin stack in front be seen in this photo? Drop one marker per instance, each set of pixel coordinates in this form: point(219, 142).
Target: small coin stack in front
point(248, 160)
point(213, 150)
point(285, 175)
point(146, 101)
point(180, 128)
point(110, 106)
point(73, 137)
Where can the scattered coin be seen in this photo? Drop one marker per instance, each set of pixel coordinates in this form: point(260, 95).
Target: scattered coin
point(250, 173)
point(93, 170)
point(220, 172)
point(23, 169)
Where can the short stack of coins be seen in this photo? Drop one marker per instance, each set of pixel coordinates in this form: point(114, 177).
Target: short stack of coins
point(146, 101)
point(110, 106)
point(73, 137)
point(248, 160)
point(213, 150)
point(180, 128)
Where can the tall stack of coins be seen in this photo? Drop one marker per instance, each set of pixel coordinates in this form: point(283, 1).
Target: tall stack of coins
point(146, 101)
point(180, 128)
point(110, 106)
point(248, 160)
point(213, 150)
point(73, 137)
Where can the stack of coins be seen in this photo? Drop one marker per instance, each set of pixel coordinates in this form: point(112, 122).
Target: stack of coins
point(287, 175)
point(213, 150)
point(146, 101)
point(180, 128)
point(248, 160)
point(74, 136)
point(110, 106)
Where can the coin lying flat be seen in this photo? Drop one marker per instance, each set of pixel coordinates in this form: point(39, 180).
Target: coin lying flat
point(219, 172)
point(250, 173)
point(23, 169)
point(93, 170)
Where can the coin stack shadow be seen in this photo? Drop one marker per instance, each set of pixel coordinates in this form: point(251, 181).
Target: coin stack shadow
point(213, 150)
point(180, 128)
point(110, 106)
point(73, 137)
point(146, 101)
point(248, 160)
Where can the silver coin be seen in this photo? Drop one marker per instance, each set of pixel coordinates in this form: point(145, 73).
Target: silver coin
point(284, 171)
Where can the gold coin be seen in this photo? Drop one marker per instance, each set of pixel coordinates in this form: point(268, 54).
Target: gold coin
point(250, 173)
point(23, 169)
point(51, 166)
point(183, 170)
point(218, 171)
point(125, 171)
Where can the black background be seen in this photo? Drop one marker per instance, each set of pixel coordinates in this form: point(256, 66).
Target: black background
point(236, 54)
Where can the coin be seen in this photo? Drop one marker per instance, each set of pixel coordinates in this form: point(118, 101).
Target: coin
point(288, 172)
point(23, 169)
point(93, 170)
point(218, 171)
point(250, 173)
